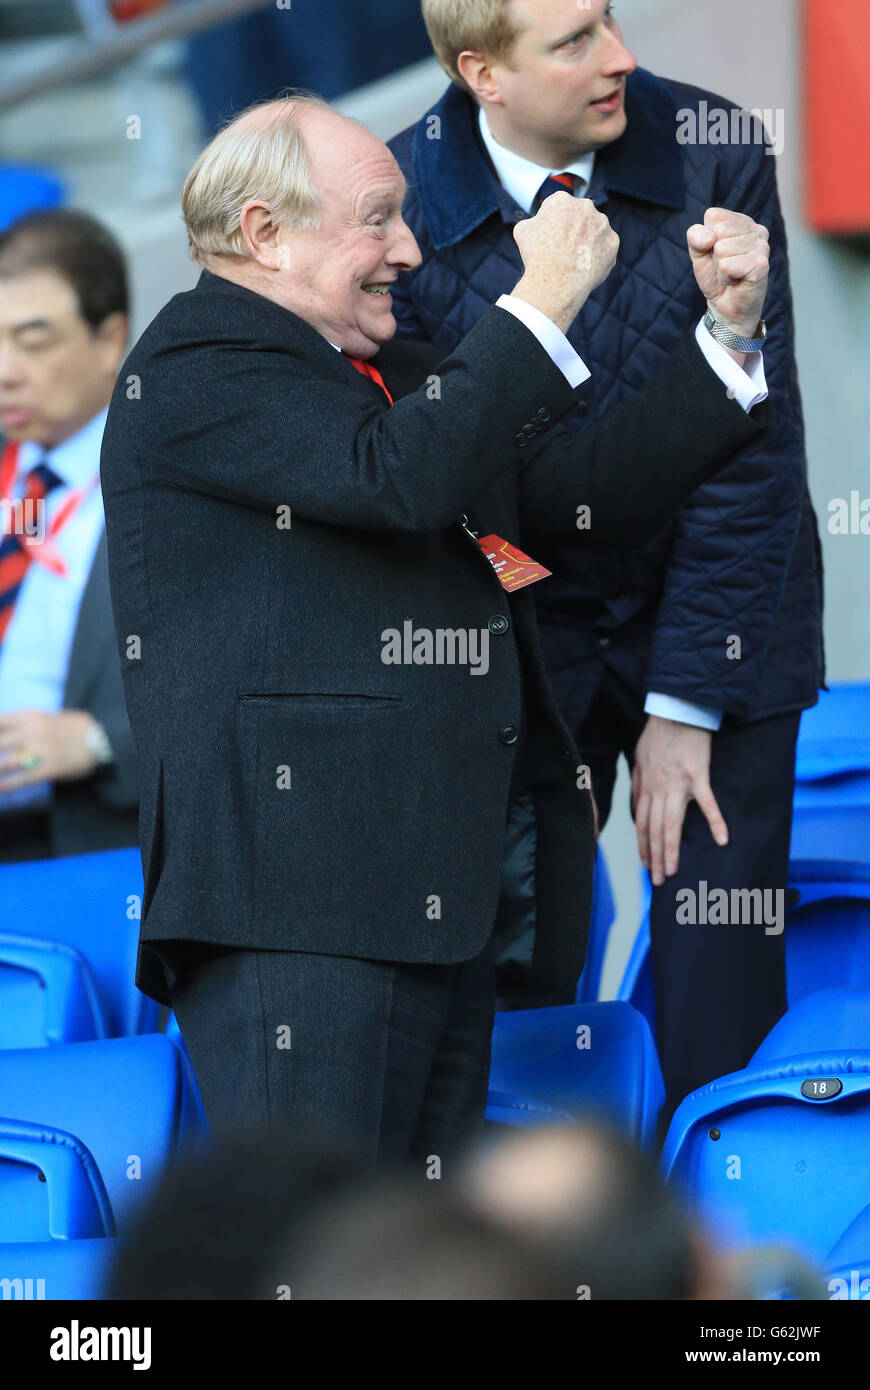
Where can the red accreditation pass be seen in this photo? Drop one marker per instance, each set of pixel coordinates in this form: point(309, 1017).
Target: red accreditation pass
point(514, 569)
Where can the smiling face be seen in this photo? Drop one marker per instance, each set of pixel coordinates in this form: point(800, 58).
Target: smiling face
point(337, 276)
point(561, 93)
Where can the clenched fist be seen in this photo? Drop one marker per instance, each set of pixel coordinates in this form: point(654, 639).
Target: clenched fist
point(568, 250)
point(731, 259)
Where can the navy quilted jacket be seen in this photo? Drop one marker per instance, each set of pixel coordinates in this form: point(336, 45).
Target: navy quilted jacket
point(742, 560)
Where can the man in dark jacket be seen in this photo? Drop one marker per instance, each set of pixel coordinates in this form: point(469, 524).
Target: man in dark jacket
point(693, 652)
point(332, 690)
point(67, 763)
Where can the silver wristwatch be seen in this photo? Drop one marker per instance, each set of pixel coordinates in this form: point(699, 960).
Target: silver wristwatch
point(98, 745)
point(728, 338)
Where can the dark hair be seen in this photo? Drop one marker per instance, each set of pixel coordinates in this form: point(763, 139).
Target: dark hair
point(397, 1239)
point(80, 249)
point(217, 1219)
point(264, 1212)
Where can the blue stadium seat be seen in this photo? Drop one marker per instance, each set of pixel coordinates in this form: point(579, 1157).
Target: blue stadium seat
point(174, 1032)
point(51, 1187)
point(848, 1264)
point(835, 734)
point(562, 1064)
point(129, 1101)
point(25, 189)
point(56, 1269)
point(637, 982)
point(47, 995)
point(832, 792)
point(780, 1152)
point(828, 930)
point(602, 917)
point(91, 904)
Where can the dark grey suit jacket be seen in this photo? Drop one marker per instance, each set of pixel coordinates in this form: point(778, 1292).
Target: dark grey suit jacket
point(297, 792)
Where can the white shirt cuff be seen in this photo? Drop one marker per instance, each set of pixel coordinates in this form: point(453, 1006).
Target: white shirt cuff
point(552, 339)
point(748, 384)
point(683, 711)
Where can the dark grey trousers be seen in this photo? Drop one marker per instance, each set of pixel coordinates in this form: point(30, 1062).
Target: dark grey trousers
point(392, 1059)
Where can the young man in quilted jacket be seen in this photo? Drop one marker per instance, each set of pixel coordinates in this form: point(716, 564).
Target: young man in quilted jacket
point(694, 654)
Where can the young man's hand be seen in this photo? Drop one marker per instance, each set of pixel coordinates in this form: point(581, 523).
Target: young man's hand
point(671, 768)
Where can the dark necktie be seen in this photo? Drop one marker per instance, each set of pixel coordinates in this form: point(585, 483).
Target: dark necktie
point(15, 555)
point(554, 183)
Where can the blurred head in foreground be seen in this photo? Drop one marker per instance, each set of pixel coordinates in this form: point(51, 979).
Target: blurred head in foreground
point(567, 1213)
point(597, 1206)
point(275, 1217)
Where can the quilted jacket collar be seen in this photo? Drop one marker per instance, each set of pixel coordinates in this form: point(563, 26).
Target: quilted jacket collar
point(458, 189)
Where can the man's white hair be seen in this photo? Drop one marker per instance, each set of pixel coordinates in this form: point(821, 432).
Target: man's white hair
point(260, 155)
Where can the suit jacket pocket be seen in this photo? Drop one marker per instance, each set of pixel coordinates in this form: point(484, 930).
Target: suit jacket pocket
point(322, 785)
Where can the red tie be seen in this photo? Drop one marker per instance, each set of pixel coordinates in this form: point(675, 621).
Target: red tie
point(367, 369)
point(15, 557)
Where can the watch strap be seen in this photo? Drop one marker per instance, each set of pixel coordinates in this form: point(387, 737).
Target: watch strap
point(728, 338)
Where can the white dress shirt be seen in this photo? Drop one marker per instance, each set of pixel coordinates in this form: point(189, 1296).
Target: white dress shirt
point(522, 180)
point(35, 652)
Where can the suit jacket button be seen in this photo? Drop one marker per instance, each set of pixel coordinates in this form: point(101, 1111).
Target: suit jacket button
point(499, 625)
point(509, 734)
point(605, 643)
point(544, 414)
point(583, 409)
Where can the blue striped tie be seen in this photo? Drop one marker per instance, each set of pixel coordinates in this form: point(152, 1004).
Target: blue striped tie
point(15, 557)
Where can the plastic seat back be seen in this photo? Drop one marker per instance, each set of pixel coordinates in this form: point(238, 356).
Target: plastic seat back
point(780, 1152)
point(129, 1101)
point(50, 1187)
point(832, 790)
point(47, 995)
point(56, 1269)
point(828, 930)
point(848, 1264)
point(576, 1061)
point(90, 903)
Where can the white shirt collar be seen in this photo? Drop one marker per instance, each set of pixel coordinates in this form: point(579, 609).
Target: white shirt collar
point(519, 176)
point(76, 461)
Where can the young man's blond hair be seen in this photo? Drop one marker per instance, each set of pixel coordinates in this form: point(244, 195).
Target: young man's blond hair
point(476, 26)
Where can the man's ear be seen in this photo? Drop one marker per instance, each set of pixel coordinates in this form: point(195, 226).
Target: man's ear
point(113, 334)
point(260, 231)
point(476, 71)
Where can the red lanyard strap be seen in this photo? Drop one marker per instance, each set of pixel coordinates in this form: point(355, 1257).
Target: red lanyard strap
point(43, 552)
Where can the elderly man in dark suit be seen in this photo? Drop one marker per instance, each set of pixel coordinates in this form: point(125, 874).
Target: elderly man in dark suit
point(67, 763)
point(329, 648)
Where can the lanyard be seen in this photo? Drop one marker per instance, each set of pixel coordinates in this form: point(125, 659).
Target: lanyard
point(44, 552)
